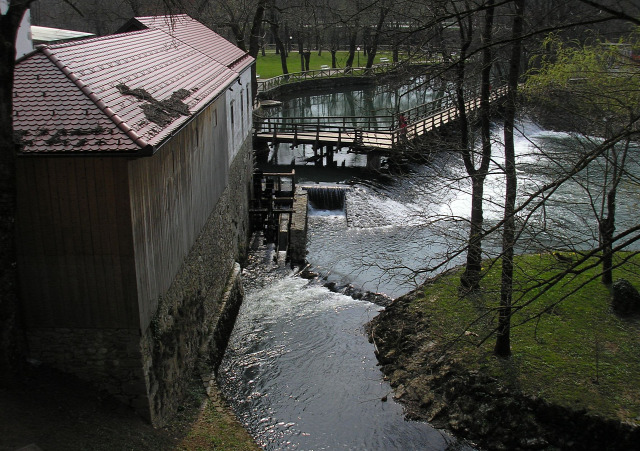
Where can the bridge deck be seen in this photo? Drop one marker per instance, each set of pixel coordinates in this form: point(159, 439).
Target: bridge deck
point(323, 131)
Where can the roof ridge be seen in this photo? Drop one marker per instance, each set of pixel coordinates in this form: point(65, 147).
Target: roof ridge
point(163, 15)
point(117, 120)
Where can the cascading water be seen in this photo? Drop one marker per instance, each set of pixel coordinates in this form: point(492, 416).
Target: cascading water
point(299, 371)
point(326, 197)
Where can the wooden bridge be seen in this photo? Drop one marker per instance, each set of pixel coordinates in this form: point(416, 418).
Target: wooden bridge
point(382, 134)
point(326, 72)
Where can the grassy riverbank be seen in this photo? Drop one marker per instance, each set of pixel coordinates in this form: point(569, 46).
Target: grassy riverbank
point(575, 353)
point(573, 381)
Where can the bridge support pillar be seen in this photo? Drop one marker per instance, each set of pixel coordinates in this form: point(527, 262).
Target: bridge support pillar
point(330, 162)
point(298, 228)
point(374, 161)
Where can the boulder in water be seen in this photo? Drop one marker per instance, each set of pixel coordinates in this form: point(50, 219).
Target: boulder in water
point(626, 299)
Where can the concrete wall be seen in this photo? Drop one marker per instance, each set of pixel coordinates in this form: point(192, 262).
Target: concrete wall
point(298, 228)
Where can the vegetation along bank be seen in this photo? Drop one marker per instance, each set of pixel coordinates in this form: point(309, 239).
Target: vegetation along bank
point(571, 382)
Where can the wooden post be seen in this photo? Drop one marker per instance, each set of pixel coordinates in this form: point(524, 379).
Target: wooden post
point(373, 161)
point(329, 156)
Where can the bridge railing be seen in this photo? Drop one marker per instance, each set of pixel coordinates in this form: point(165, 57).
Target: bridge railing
point(442, 103)
point(426, 109)
point(432, 115)
point(294, 77)
point(290, 124)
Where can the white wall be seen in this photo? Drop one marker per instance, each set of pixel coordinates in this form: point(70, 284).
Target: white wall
point(239, 103)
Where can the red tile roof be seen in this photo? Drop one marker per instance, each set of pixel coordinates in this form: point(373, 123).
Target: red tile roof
point(121, 93)
point(189, 30)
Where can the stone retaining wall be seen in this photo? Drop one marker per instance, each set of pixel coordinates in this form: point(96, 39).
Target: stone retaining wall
point(298, 228)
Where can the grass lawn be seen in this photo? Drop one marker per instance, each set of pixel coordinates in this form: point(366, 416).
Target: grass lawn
point(577, 354)
point(216, 429)
point(269, 66)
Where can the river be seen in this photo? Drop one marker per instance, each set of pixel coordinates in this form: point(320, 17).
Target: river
point(299, 371)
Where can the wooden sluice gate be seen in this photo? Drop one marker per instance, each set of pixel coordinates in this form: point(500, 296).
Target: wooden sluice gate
point(279, 210)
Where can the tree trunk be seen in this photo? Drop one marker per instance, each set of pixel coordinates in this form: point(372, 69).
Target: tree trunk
point(239, 35)
point(607, 224)
point(503, 338)
point(371, 54)
point(12, 342)
point(254, 41)
point(307, 59)
point(275, 31)
point(395, 44)
point(353, 35)
point(470, 279)
point(607, 228)
point(301, 53)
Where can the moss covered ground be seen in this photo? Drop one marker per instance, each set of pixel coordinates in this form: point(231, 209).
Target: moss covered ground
point(568, 347)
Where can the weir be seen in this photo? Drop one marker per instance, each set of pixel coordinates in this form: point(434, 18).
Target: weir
point(326, 197)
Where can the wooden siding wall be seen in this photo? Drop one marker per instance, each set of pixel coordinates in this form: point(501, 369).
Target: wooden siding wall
point(172, 195)
point(75, 248)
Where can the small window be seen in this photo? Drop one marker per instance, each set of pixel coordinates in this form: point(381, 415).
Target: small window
point(215, 117)
point(232, 112)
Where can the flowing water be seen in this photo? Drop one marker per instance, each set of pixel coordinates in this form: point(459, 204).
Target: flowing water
point(301, 374)
point(299, 370)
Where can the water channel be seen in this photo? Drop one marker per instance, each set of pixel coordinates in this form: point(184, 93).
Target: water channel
point(299, 370)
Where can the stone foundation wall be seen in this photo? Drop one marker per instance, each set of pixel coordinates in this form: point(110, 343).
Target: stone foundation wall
point(110, 358)
point(150, 370)
point(298, 228)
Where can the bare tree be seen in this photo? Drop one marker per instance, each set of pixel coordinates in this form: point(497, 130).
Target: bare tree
point(383, 11)
point(12, 344)
point(503, 340)
point(471, 277)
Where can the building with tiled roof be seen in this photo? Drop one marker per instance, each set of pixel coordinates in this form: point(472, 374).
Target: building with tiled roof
point(134, 167)
point(146, 84)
